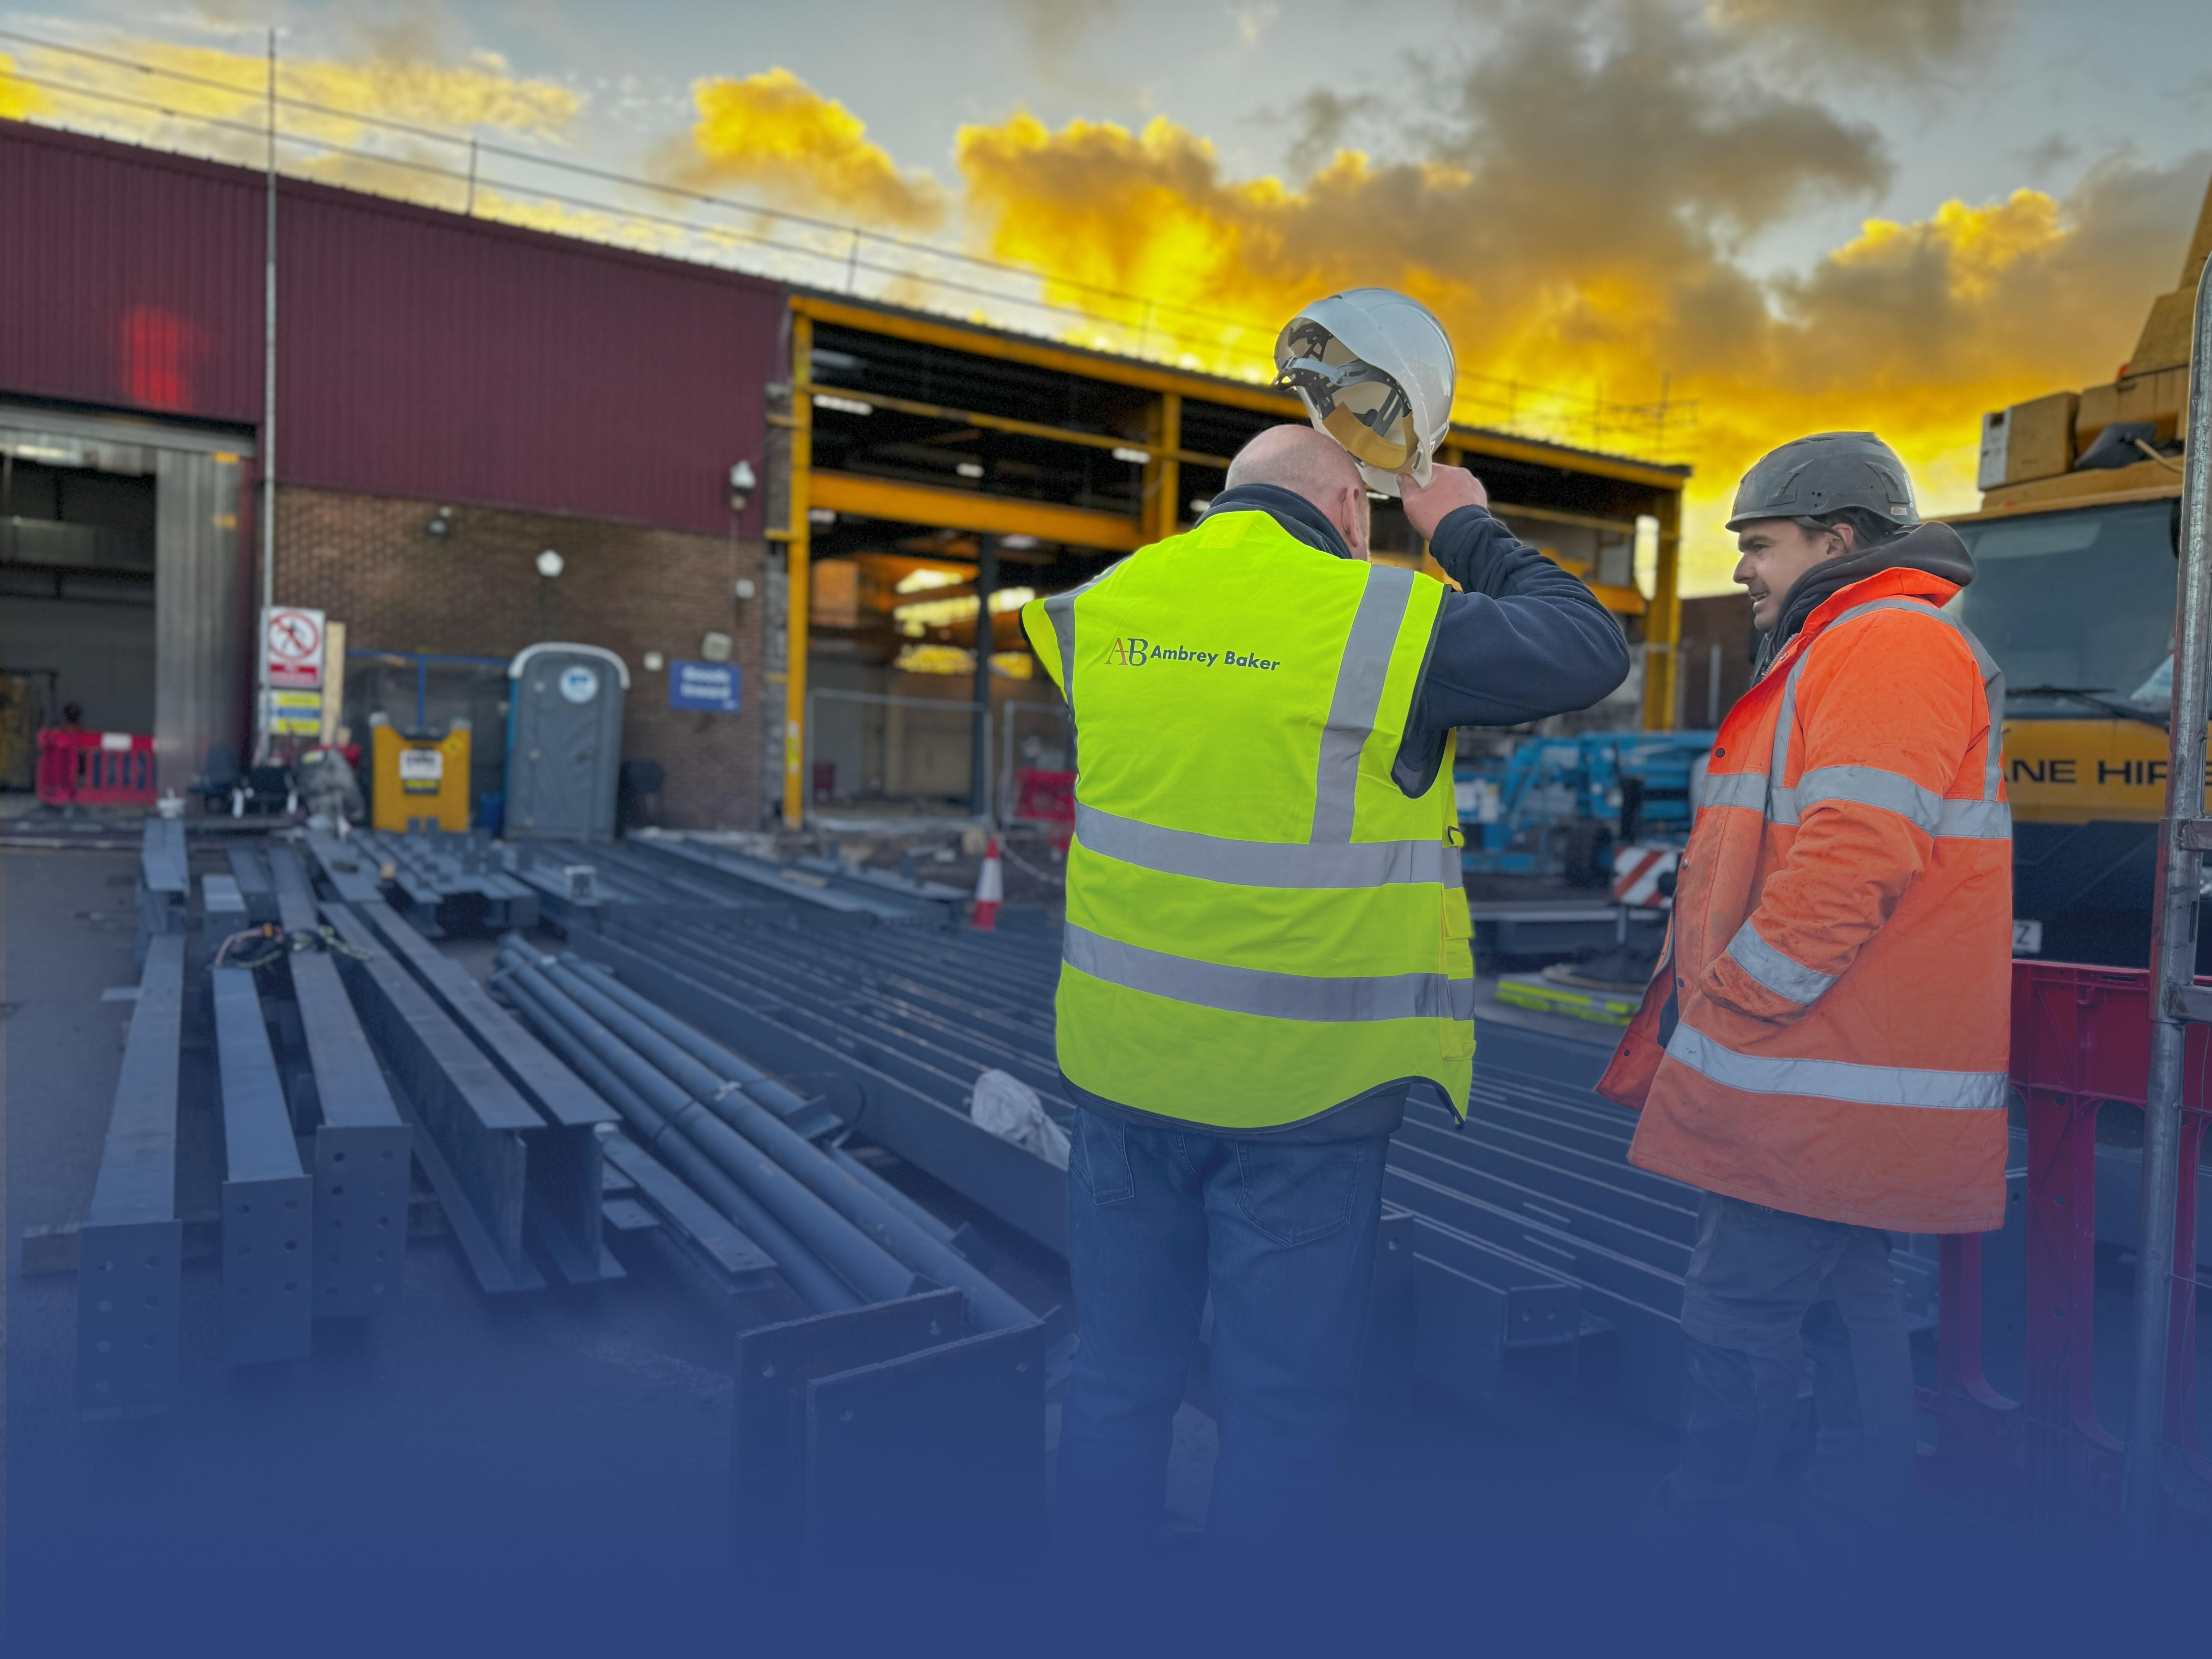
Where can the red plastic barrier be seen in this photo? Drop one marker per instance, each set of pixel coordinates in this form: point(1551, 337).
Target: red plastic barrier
point(1044, 797)
point(1047, 798)
point(2080, 1037)
point(95, 769)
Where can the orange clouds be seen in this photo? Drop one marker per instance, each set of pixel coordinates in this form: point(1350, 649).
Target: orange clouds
point(773, 131)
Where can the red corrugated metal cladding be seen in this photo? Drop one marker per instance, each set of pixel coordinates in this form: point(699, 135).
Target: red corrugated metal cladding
point(483, 364)
point(419, 354)
point(128, 278)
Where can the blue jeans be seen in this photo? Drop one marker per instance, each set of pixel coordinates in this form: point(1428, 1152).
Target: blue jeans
point(1283, 1237)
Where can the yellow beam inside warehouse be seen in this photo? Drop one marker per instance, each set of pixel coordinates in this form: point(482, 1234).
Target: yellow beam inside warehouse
point(1059, 435)
point(1203, 388)
point(1662, 622)
point(1161, 508)
point(965, 509)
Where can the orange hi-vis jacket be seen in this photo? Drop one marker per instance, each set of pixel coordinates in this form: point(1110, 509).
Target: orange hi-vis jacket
point(1841, 952)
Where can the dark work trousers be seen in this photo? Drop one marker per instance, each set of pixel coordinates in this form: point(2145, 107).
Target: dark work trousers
point(1283, 1237)
point(1766, 1289)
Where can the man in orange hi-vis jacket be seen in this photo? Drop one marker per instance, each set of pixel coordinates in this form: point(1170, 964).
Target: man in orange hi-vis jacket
point(1823, 1049)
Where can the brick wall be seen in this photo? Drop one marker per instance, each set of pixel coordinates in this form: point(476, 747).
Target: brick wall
point(370, 563)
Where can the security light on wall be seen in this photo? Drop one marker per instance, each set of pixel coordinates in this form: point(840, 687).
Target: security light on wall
point(654, 662)
point(442, 523)
point(745, 589)
point(741, 485)
point(550, 564)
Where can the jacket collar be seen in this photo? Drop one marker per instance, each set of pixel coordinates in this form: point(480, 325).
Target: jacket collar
point(1899, 581)
point(1934, 549)
point(1293, 512)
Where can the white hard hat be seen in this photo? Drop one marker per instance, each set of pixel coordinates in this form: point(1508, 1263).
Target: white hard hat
point(1375, 371)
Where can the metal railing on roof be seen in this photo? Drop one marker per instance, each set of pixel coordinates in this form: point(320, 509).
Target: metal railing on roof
point(789, 245)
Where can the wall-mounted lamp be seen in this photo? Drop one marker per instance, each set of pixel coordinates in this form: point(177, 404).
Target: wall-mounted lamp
point(716, 645)
point(741, 485)
point(654, 662)
point(745, 589)
point(550, 564)
point(441, 525)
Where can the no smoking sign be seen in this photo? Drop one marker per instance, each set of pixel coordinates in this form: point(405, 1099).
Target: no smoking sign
point(292, 649)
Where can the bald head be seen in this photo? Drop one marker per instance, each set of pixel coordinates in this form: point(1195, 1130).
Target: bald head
point(1294, 458)
point(1312, 464)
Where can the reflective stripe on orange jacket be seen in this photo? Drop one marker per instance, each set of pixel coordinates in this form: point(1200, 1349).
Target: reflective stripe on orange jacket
point(1841, 954)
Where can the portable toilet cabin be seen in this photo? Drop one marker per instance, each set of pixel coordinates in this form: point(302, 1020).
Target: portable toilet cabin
point(564, 722)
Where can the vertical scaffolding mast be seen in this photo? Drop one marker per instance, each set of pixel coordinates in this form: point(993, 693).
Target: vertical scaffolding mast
point(798, 613)
point(2185, 834)
point(267, 452)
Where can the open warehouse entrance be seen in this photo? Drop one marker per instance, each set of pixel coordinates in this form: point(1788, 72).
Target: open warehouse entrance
point(936, 472)
point(120, 568)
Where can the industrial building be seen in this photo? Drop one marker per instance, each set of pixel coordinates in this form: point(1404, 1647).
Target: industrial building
point(713, 461)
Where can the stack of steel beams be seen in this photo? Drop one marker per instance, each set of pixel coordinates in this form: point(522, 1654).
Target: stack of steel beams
point(841, 1237)
point(891, 1027)
point(129, 1282)
point(450, 880)
point(826, 885)
point(1532, 1231)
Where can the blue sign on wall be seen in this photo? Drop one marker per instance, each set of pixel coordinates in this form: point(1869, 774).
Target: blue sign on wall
point(710, 685)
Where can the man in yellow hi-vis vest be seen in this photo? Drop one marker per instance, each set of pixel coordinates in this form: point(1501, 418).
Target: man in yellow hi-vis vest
point(1267, 948)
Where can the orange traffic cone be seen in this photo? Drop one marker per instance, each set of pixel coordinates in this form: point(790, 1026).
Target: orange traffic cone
point(990, 889)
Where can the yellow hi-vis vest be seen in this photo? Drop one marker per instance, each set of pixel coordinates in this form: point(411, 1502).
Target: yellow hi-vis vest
point(1261, 926)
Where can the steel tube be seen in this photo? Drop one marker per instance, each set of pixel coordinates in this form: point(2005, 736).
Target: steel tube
point(890, 1194)
point(724, 1063)
point(815, 1285)
point(2173, 954)
point(618, 1007)
point(862, 1262)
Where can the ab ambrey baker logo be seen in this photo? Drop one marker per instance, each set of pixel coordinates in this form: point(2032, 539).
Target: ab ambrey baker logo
point(1136, 652)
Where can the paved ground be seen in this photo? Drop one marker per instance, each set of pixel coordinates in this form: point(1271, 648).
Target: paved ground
point(547, 1473)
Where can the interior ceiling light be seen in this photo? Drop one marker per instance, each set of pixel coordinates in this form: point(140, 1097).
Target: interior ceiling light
point(969, 469)
point(842, 406)
point(921, 581)
point(1135, 457)
point(934, 659)
point(912, 619)
point(1017, 542)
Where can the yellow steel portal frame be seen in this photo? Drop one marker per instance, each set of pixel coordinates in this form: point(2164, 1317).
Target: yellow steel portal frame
point(1159, 512)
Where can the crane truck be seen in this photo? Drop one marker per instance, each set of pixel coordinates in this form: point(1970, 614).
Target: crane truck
point(2074, 547)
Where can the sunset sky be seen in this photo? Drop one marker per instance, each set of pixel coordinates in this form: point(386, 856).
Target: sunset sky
point(1794, 215)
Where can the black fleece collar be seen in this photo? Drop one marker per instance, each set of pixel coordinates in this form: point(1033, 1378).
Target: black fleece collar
point(1297, 515)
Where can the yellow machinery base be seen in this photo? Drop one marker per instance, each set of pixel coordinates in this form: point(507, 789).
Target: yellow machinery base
point(1599, 1007)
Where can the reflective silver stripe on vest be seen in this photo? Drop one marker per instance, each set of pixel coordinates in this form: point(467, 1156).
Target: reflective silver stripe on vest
point(1259, 991)
point(1266, 863)
point(1867, 785)
point(1358, 696)
point(1733, 789)
point(1060, 607)
point(1987, 819)
point(1837, 1080)
point(1783, 975)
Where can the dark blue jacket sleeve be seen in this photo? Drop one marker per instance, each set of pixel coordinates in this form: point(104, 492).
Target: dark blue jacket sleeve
point(1524, 639)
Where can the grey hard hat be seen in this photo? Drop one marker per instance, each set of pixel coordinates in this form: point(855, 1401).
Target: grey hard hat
point(1808, 476)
